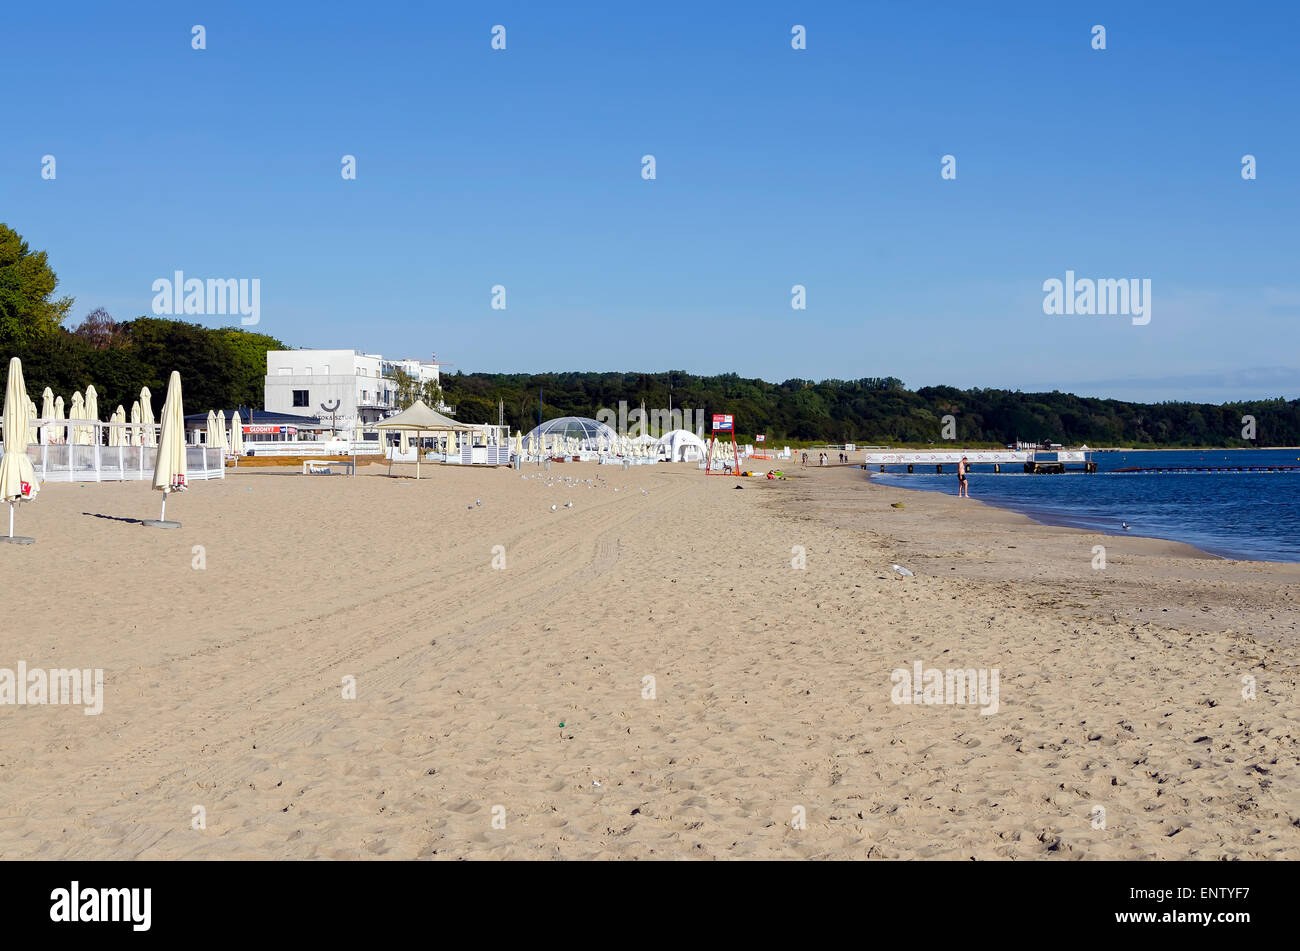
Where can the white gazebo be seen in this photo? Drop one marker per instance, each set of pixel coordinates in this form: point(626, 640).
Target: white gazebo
point(419, 418)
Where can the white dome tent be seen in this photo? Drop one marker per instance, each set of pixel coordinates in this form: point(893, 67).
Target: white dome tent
point(587, 433)
point(681, 445)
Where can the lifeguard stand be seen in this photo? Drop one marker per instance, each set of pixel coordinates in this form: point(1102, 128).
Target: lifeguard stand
point(722, 424)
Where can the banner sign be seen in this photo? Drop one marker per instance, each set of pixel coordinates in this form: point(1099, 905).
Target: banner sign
point(723, 424)
point(270, 430)
point(760, 438)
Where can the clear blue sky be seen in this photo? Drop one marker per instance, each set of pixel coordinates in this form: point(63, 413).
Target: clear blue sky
point(775, 167)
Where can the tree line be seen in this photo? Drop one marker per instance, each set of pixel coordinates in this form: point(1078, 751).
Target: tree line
point(878, 411)
point(225, 367)
point(222, 367)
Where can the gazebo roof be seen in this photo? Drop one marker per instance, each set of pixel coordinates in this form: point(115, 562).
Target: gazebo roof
point(419, 417)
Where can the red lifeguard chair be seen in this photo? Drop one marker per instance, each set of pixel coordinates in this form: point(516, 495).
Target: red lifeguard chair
point(722, 423)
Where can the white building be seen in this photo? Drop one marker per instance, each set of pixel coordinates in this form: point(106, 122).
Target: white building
point(344, 389)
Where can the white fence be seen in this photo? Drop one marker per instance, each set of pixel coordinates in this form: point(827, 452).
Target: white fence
point(92, 460)
point(80, 463)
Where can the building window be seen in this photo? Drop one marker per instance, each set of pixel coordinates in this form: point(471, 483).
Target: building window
point(300, 398)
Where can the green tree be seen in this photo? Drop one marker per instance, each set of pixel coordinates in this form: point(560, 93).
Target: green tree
point(28, 312)
point(247, 351)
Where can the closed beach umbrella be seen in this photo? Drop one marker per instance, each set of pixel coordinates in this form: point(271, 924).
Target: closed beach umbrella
point(133, 434)
point(47, 412)
point(236, 435)
point(212, 429)
point(76, 411)
point(60, 431)
point(32, 437)
point(17, 476)
point(169, 462)
point(519, 443)
point(147, 435)
point(403, 442)
point(221, 430)
point(92, 412)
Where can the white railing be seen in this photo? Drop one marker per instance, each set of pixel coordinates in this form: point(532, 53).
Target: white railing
point(93, 460)
point(70, 462)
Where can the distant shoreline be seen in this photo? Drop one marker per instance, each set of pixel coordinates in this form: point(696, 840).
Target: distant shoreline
point(1199, 449)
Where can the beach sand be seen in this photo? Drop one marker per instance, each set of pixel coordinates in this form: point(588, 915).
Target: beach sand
point(1119, 689)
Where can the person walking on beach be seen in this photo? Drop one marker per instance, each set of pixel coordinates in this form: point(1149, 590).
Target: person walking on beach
point(804, 461)
point(962, 488)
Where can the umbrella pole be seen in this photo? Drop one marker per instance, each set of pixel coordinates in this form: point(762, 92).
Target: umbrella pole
point(163, 516)
point(11, 519)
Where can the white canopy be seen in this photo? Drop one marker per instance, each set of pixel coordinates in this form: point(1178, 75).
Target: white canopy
point(419, 417)
point(681, 445)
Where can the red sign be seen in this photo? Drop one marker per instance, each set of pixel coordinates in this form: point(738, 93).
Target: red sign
point(723, 423)
point(271, 430)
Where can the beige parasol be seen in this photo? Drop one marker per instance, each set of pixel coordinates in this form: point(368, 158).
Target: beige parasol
point(147, 435)
point(92, 412)
point(169, 462)
point(17, 476)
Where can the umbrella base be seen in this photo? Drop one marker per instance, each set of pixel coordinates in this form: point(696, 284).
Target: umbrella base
point(155, 523)
point(17, 540)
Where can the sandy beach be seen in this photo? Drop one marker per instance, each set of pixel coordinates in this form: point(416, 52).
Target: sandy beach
point(515, 695)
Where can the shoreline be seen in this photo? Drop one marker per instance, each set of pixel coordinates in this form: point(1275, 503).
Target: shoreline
point(1173, 569)
point(1045, 519)
point(1059, 519)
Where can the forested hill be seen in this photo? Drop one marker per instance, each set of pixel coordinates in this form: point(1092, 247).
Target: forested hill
point(875, 410)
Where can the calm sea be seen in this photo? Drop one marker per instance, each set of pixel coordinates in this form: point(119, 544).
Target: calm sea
point(1253, 515)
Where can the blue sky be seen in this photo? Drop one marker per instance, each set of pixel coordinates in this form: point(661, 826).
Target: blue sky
point(775, 167)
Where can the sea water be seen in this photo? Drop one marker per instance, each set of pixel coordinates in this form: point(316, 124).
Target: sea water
point(1250, 515)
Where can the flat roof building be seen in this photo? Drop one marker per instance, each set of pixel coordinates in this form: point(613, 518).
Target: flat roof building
point(343, 389)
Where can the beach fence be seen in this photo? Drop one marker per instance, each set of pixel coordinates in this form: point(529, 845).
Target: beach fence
point(95, 461)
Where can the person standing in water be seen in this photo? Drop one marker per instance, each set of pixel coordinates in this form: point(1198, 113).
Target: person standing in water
point(962, 487)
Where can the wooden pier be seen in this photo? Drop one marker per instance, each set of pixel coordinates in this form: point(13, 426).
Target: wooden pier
point(1039, 462)
point(1131, 469)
